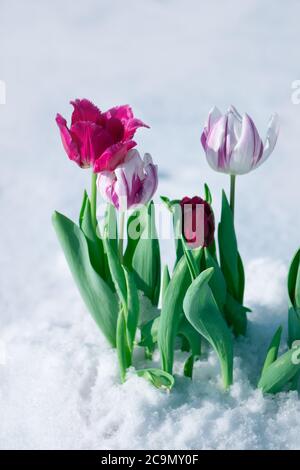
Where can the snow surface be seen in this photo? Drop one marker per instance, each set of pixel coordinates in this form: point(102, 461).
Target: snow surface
point(172, 60)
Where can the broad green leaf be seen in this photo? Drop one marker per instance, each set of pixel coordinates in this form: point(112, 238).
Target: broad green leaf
point(174, 207)
point(192, 343)
point(281, 372)
point(132, 308)
point(145, 261)
point(157, 377)
point(189, 366)
point(193, 266)
point(236, 315)
point(294, 281)
point(201, 310)
point(82, 210)
point(123, 350)
point(217, 282)
point(165, 281)
point(110, 229)
point(116, 271)
point(272, 353)
point(101, 302)
point(294, 324)
point(192, 337)
point(149, 332)
point(228, 251)
point(241, 285)
point(95, 245)
point(294, 299)
point(172, 313)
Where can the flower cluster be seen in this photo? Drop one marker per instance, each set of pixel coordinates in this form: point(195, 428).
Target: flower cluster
point(103, 141)
point(203, 297)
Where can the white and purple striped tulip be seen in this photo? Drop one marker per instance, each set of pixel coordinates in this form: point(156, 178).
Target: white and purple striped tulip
point(232, 143)
point(131, 184)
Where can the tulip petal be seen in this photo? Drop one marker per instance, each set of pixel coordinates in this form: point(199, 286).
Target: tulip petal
point(150, 180)
point(69, 144)
point(85, 110)
point(247, 150)
point(113, 156)
point(271, 138)
point(125, 114)
point(216, 145)
point(213, 116)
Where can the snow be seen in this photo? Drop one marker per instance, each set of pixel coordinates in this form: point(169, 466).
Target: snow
point(172, 60)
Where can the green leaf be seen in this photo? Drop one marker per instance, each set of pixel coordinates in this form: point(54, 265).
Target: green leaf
point(217, 282)
point(98, 297)
point(189, 366)
point(132, 308)
point(110, 229)
point(294, 299)
point(294, 324)
point(207, 193)
point(172, 313)
point(82, 210)
point(192, 340)
point(201, 310)
point(281, 372)
point(157, 377)
point(175, 209)
point(95, 245)
point(143, 256)
point(272, 353)
point(229, 257)
point(123, 350)
point(165, 281)
point(149, 332)
point(190, 259)
point(117, 272)
point(294, 281)
point(236, 315)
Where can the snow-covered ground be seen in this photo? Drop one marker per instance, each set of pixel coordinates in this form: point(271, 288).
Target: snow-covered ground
point(171, 60)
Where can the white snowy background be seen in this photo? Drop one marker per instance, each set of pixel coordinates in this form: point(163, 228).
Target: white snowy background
point(171, 60)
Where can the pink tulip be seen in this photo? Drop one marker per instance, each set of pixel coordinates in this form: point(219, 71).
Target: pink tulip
point(232, 143)
point(132, 183)
point(97, 139)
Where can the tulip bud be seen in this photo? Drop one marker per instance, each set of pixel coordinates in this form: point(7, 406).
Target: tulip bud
point(232, 143)
point(132, 183)
point(198, 223)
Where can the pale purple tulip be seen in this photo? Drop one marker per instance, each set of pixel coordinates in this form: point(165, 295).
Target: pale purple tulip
point(132, 183)
point(232, 143)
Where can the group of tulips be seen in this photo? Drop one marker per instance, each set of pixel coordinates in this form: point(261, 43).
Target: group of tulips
point(116, 261)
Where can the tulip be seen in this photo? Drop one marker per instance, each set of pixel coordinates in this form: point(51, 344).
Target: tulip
point(131, 184)
point(98, 139)
point(232, 143)
point(198, 226)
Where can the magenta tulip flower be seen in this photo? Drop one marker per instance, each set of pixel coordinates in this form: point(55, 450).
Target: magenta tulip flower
point(132, 183)
point(96, 139)
point(232, 143)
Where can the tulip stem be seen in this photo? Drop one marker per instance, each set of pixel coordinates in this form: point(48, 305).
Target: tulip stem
point(121, 234)
point(94, 200)
point(232, 193)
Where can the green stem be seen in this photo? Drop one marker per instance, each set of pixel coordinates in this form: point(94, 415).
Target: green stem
point(121, 234)
point(232, 193)
point(94, 199)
